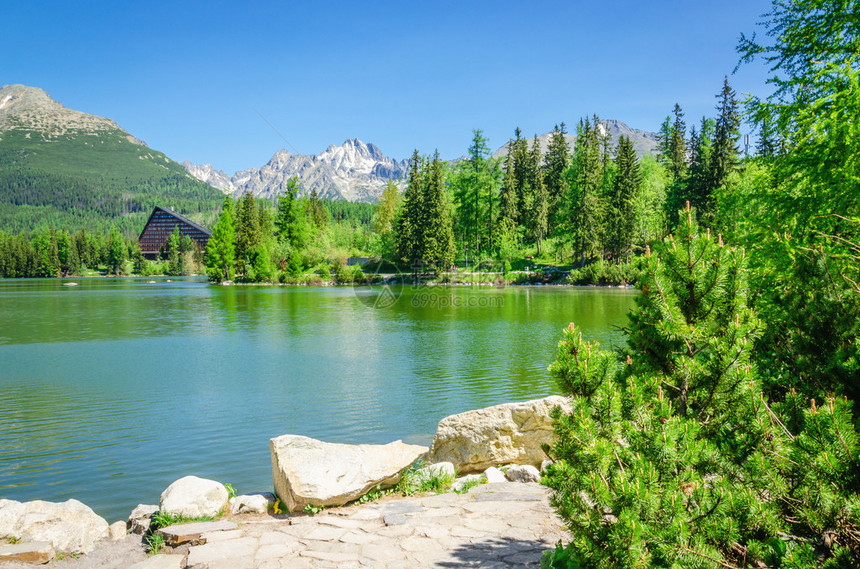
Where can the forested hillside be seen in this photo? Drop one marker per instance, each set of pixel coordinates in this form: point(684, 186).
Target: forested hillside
point(64, 169)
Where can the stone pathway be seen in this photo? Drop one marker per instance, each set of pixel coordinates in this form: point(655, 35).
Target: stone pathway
point(499, 525)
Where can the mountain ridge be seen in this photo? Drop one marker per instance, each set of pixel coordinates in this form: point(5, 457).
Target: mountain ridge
point(358, 171)
point(71, 170)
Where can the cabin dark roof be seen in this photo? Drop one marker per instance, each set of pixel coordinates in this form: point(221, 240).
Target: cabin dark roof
point(161, 224)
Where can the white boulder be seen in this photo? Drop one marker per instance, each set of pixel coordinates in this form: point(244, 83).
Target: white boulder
point(438, 470)
point(493, 475)
point(523, 473)
point(307, 471)
point(508, 433)
point(69, 526)
point(193, 497)
point(251, 503)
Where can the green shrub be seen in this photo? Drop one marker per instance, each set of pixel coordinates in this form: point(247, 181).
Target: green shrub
point(672, 457)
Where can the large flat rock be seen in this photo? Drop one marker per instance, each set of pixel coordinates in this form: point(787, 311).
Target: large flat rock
point(68, 526)
point(307, 471)
point(510, 433)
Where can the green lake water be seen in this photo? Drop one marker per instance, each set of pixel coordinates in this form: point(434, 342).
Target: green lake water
point(112, 389)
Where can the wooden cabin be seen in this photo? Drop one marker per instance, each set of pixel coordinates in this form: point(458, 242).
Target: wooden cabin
point(160, 226)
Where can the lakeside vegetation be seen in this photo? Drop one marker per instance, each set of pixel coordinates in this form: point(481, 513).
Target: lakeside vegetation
point(725, 433)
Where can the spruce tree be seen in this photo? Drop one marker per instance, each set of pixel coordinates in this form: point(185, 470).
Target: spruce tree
point(700, 186)
point(411, 224)
point(677, 161)
point(664, 138)
point(621, 213)
point(509, 204)
point(555, 164)
point(437, 236)
point(725, 157)
point(586, 201)
point(537, 215)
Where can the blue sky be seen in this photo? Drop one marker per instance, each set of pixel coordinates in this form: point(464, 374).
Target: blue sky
point(212, 81)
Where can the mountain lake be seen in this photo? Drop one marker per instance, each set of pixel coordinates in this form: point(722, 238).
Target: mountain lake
point(111, 389)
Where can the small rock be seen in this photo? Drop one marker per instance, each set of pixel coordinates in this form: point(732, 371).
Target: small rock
point(523, 473)
point(438, 470)
point(183, 533)
point(34, 552)
point(252, 503)
point(117, 530)
point(193, 497)
point(464, 481)
point(140, 518)
point(493, 474)
point(545, 464)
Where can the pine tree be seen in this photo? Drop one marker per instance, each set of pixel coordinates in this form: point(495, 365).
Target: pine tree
point(677, 459)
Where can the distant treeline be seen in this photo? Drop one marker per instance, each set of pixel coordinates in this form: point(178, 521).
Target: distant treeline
point(56, 253)
point(33, 198)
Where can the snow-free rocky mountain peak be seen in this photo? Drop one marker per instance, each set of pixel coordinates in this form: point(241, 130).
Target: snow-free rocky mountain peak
point(32, 109)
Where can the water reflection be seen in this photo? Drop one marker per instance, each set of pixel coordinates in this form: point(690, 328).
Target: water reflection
point(112, 389)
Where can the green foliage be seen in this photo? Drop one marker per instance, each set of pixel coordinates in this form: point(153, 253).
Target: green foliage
point(621, 202)
point(374, 495)
point(425, 232)
point(675, 458)
point(231, 492)
point(154, 543)
point(312, 510)
point(801, 218)
point(413, 480)
point(77, 180)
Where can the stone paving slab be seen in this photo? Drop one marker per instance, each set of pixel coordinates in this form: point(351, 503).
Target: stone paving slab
point(503, 526)
point(37, 552)
point(178, 534)
point(164, 561)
